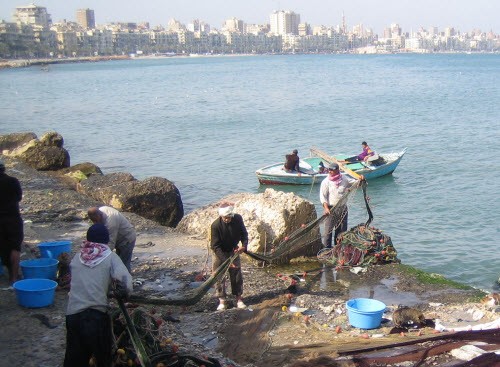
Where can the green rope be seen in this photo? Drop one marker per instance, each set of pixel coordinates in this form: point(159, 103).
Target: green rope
point(134, 337)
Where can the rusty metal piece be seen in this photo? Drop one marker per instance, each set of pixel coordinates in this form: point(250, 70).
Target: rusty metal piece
point(418, 350)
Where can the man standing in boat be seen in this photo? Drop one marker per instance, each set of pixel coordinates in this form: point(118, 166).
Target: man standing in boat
point(332, 190)
point(292, 162)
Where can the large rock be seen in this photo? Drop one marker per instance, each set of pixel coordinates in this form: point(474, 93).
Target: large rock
point(77, 173)
point(46, 158)
point(270, 217)
point(52, 139)
point(100, 187)
point(12, 141)
point(154, 198)
point(46, 154)
point(81, 170)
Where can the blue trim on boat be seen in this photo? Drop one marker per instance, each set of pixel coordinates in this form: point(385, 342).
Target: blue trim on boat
point(274, 174)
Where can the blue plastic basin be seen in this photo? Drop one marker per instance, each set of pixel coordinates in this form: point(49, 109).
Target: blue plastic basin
point(39, 268)
point(54, 249)
point(35, 293)
point(365, 313)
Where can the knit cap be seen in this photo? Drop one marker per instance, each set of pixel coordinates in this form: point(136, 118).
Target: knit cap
point(98, 233)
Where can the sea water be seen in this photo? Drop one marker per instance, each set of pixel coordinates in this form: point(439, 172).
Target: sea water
point(208, 123)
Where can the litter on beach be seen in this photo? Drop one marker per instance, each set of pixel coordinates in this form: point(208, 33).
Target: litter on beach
point(486, 326)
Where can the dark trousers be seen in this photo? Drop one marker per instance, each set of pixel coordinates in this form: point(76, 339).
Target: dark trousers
point(124, 251)
point(11, 236)
point(334, 223)
point(235, 275)
point(88, 333)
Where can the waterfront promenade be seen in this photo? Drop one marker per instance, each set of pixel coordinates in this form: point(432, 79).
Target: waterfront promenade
point(18, 63)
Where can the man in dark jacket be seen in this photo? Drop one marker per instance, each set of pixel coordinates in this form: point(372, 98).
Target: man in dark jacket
point(292, 162)
point(11, 223)
point(226, 233)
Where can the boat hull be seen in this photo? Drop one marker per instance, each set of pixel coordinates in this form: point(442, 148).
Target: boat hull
point(276, 175)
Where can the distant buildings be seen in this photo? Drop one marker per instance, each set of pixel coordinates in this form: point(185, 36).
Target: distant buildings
point(32, 34)
point(284, 22)
point(233, 25)
point(32, 15)
point(85, 18)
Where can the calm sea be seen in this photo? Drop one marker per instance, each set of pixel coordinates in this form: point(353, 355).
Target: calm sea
point(208, 123)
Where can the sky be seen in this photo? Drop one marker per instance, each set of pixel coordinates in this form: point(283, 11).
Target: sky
point(463, 15)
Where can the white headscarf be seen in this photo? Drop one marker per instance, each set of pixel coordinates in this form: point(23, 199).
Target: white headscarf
point(226, 210)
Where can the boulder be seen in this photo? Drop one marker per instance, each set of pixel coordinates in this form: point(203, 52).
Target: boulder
point(87, 168)
point(81, 171)
point(44, 155)
point(52, 139)
point(269, 217)
point(154, 198)
point(15, 140)
point(46, 158)
point(75, 174)
point(100, 187)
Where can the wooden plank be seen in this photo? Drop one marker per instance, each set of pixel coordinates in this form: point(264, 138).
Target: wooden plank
point(331, 159)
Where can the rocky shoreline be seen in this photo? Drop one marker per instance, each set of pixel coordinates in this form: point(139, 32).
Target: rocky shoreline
point(168, 261)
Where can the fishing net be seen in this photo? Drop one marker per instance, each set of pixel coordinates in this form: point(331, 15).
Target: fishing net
point(354, 250)
point(297, 240)
point(362, 245)
point(143, 338)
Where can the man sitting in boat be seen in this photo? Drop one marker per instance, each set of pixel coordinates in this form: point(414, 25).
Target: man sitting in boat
point(321, 168)
point(367, 155)
point(292, 162)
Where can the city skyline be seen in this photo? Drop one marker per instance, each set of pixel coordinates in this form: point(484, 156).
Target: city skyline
point(410, 15)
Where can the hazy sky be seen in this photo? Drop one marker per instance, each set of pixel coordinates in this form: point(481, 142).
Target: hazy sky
point(464, 15)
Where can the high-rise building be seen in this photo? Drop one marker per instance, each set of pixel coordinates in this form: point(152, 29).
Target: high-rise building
point(85, 18)
point(449, 32)
point(32, 15)
point(395, 30)
point(284, 22)
point(198, 26)
point(234, 25)
point(194, 26)
point(433, 31)
point(174, 25)
point(304, 29)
